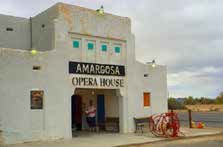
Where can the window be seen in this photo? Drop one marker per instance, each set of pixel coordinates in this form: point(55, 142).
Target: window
point(90, 46)
point(104, 47)
point(146, 75)
point(146, 99)
point(76, 44)
point(117, 49)
point(36, 67)
point(9, 29)
point(36, 99)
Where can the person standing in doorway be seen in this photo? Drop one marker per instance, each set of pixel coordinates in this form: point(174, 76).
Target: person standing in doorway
point(91, 116)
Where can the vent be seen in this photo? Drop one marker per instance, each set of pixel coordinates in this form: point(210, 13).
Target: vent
point(146, 75)
point(9, 29)
point(35, 67)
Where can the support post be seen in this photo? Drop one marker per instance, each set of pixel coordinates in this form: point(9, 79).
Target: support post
point(190, 118)
point(171, 116)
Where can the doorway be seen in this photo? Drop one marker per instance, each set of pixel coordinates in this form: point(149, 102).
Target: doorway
point(76, 115)
point(107, 104)
point(101, 111)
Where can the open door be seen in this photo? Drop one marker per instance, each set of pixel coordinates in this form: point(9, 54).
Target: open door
point(101, 111)
point(76, 115)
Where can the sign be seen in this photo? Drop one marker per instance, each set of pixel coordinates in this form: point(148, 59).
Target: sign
point(98, 82)
point(36, 97)
point(96, 69)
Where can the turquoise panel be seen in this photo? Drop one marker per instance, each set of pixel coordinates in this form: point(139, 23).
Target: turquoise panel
point(104, 48)
point(76, 44)
point(117, 49)
point(90, 46)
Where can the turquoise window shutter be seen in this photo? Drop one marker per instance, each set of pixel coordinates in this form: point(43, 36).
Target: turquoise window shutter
point(90, 46)
point(76, 44)
point(104, 48)
point(117, 49)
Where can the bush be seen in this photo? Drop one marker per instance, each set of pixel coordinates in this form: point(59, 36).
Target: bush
point(174, 104)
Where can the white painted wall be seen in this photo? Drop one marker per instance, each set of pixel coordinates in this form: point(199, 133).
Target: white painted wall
point(157, 84)
point(20, 123)
point(111, 106)
point(17, 78)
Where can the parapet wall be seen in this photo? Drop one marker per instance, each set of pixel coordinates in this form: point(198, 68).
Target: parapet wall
point(14, 32)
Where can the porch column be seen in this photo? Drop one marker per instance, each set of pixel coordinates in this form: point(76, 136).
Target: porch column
point(123, 115)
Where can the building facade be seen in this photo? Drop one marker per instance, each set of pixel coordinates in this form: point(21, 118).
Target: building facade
point(75, 51)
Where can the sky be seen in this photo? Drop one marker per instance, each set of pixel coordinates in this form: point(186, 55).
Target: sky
point(184, 35)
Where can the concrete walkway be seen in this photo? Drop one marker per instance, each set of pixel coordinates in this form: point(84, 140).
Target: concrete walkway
point(111, 139)
point(201, 132)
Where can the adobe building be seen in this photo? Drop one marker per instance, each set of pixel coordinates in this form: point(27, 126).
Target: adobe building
point(72, 51)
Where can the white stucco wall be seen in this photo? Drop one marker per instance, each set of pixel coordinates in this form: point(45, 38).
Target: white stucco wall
point(19, 123)
point(159, 94)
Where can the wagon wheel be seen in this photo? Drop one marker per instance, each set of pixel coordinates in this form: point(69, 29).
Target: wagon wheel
point(177, 127)
point(169, 130)
point(153, 128)
point(173, 127)
point(164, 125)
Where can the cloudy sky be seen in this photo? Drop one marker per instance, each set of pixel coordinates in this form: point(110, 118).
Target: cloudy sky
point(185, 35)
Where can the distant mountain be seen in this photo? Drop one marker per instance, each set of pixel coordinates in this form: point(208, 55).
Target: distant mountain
point(180, 100)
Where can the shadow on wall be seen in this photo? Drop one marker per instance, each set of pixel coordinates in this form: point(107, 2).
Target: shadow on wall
point(1, 137)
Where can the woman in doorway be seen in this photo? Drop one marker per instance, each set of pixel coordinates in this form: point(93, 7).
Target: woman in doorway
point(91, 114)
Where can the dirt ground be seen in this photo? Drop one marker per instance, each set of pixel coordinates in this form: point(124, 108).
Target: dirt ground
point(203, 141)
